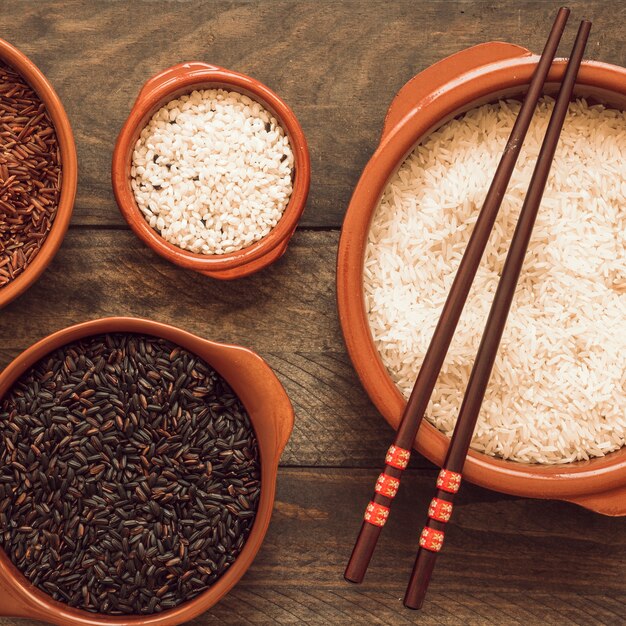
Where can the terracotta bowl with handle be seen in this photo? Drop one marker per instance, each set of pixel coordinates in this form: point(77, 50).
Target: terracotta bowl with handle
point(11, 56)
point(272, 418)
point(470, 78)
point(158, 91)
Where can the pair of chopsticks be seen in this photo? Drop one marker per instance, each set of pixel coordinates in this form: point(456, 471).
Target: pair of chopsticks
point(397, 458)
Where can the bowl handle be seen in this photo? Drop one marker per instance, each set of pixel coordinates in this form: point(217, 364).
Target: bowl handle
point(426, 84)
point(262, 385)
point(175, 74)
point(281, 407)
point(612, 503)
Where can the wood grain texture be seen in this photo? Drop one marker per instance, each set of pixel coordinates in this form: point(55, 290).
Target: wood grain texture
point(508, 561)
point(337, 64)
point(286, 313)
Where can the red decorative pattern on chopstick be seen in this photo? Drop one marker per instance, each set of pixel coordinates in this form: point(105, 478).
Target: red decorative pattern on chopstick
point(431, 539)
point(387, 485)
point(397, 457)
point(449, 481)
point(439, 509)
point(376, 514)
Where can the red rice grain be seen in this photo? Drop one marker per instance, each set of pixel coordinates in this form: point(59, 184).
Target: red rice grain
point(30, 174)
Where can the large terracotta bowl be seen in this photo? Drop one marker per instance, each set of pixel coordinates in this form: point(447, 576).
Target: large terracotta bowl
point(271, 415)
point(172, 83)
point(69, 168)
point(463, 81)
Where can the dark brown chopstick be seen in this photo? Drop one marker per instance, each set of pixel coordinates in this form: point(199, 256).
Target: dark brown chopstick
point(450, 477)
point(397, 457)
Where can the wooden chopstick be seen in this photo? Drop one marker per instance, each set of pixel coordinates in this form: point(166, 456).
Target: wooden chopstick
point(450, 477)
point(397, 457)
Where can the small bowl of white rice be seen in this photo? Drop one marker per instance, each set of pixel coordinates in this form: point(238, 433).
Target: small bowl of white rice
point(211, 170)
point(553, 421)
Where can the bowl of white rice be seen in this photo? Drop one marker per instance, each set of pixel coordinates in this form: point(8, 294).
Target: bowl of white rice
point(553, 422)
point(211, 170)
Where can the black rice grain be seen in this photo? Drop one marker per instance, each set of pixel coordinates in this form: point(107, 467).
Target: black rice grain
point(129, 475)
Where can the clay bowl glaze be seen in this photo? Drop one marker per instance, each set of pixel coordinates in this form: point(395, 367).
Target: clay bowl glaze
point(272, 418)
point(172, 83)
point(463, 81)
point(69, 167)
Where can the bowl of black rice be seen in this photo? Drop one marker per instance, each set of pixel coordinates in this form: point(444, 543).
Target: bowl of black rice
point(137, 472)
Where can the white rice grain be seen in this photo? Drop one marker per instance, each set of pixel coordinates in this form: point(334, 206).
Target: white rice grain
point(558, 388)
point(211, 171)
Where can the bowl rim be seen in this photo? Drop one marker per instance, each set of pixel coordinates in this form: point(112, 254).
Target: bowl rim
point(460, 94)
point(35, 603)
point(162, 88)
point(10, 55)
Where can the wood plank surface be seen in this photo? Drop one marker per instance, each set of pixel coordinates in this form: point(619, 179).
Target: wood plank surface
point(286, 313)
point(337, 64)
point(508, 561)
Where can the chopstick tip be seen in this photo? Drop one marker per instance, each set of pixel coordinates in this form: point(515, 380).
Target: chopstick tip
point(584, 29)
point(561, 18)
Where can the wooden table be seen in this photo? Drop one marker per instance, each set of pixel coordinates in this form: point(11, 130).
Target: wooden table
point(508, 560)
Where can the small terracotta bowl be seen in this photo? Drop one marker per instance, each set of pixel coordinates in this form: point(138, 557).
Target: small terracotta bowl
point(158, 91)
point(272, 418)
point(461, 82)
point(69, 166)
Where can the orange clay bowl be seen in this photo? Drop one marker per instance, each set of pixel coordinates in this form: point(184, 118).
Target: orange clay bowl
point(69, 167)
point(463, 81)
point(271, 415)
point(172, 83)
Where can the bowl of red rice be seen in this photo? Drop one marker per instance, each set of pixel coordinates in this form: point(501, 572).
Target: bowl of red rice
point(38, 172)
